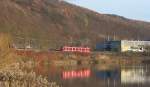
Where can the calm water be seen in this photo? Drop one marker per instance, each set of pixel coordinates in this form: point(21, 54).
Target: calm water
point(98, 76)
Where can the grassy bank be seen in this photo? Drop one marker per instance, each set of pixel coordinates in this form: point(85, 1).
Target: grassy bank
point(74, 59)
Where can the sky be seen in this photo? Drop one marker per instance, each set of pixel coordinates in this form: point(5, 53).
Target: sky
point(133, 9)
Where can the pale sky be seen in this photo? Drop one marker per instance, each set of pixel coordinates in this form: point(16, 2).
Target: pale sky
point(134, 9)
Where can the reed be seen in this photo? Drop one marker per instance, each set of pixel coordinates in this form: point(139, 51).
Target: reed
point(15, 75)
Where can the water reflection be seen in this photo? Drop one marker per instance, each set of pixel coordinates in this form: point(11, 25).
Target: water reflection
point(135, 75)
point(108, 74)
point(91, 76)
point(85, 73)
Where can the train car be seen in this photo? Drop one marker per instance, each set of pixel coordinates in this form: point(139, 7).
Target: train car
point(76, 49)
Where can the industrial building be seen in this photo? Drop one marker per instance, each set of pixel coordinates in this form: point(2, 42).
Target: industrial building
point(124, 46)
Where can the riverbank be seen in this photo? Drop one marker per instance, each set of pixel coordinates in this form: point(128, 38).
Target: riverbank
point(96, 58)
point(28, 60)
point(68, 58)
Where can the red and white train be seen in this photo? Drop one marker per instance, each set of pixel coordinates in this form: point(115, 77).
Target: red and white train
point(76, 49)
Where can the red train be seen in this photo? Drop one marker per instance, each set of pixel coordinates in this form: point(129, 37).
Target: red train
point(76, 49)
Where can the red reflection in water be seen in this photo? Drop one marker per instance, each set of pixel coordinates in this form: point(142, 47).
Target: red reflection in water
point(76, 74)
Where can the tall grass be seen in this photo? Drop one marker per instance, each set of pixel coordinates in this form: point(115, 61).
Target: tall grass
point(6, 52)
point(15, 75)
point(14, 72)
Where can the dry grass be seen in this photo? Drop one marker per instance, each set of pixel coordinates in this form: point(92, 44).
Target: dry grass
point(14, 72)
point(6, 52)
point(15, 75)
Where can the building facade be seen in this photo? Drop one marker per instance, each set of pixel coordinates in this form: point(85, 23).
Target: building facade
point(135, 46)
point(124, 46)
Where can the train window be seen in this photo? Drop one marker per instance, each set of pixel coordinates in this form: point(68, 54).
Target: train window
point(74, 49)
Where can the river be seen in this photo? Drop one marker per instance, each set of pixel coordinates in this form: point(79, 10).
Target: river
point(98, 76)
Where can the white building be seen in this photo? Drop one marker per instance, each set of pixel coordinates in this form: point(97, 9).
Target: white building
point(135, 46)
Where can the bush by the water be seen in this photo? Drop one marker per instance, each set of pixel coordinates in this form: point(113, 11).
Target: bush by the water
point(14, 76)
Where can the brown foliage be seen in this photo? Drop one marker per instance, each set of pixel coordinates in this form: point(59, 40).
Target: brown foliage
point(51, 24)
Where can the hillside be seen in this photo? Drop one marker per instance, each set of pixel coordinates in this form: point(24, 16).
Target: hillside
point(51, 24)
